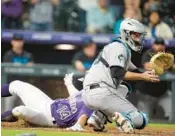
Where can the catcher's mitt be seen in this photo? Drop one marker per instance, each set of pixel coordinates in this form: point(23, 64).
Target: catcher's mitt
point(161, 62)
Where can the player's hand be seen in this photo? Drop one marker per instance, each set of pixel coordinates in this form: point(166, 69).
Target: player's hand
point(76, 127)
point(150, 76)
point(68, 79)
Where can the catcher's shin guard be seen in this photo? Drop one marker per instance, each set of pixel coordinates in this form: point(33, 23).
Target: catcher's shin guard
point(125, 124)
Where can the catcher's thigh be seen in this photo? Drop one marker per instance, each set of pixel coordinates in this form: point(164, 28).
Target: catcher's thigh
point(31, 96)
point(32, 116)
point(105, 100)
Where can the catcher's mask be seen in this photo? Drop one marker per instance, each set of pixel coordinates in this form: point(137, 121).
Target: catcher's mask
point(133, 33)
point(78, 83)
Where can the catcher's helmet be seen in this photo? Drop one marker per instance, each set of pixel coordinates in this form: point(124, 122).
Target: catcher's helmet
point(132, 33)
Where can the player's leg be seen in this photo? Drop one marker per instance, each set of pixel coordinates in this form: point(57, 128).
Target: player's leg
point(114, 104)
point(98, 98)
point(123, 90)
point(105, 101)
point(31, 96)
point(29, 115)
point(165, 102)
point(99, 119)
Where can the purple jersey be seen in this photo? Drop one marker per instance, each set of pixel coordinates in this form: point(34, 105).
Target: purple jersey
point(67, 111)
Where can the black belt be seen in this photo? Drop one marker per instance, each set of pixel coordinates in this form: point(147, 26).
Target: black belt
point(93, 86)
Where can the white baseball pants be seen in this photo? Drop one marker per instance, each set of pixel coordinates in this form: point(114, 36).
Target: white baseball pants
point(37, 104)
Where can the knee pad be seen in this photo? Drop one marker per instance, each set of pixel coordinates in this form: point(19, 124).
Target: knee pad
point(18, 111)
point(138, 119)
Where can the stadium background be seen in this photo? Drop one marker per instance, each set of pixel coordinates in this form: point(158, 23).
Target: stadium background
point(42, 43)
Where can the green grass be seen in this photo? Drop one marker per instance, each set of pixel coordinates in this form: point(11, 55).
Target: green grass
point(9, 132)
point(40, 132)
point(154, 125)
point(171, 126)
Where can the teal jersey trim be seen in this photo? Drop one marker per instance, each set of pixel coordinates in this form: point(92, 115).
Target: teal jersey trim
point(128, 55)
point(127, 49)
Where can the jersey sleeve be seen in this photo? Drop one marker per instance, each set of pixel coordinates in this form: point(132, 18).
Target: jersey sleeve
point(116, 55)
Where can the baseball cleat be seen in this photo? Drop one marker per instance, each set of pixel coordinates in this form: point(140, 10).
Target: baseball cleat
point(123, 122)
point(96, 127)
point(118, 127)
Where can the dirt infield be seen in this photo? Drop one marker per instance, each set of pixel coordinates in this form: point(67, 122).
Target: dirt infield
point(149, 131)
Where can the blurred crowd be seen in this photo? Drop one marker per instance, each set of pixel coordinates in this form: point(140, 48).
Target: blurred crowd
point(92, 16)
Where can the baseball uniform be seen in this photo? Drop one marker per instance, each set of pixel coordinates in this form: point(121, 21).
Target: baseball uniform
point(102, 92)
point(41, 110)
point(67, 111)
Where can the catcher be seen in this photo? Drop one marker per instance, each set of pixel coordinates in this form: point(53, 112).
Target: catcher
point(103, 81)
point(153, 94)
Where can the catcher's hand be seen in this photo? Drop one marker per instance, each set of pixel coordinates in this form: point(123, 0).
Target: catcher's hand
point(161, 62)
point(150, 76)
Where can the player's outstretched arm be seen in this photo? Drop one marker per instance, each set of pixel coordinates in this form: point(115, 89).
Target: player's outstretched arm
point(82, 120)
point(68, 81)
point(79, 125)
point(146, 76)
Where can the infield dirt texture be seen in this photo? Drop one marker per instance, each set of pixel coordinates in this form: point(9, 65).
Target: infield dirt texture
point(13, 129)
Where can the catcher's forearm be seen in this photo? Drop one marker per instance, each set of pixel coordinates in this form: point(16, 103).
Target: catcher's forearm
point(133, 76)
